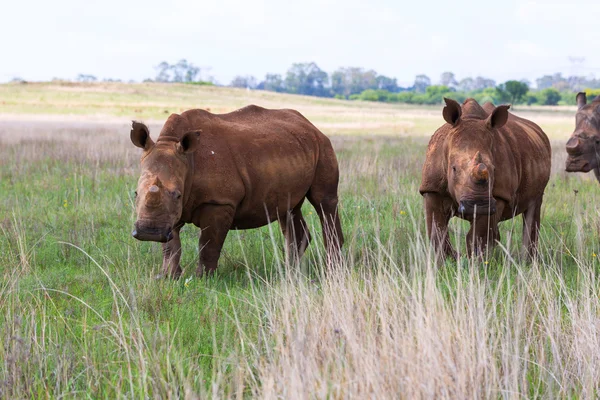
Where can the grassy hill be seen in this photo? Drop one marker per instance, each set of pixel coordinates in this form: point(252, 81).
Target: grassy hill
point(155, 101)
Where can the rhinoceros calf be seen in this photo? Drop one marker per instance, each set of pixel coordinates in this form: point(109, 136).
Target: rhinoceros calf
point(583, 147)
point(240, 170)
point(484, 165)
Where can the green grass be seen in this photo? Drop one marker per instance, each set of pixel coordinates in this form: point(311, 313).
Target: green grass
point(81, 314)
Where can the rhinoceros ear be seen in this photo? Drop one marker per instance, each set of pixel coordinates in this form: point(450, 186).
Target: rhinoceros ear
point(451, 112)
point(140, 136)
point(581, 100)
point(498, 117)
point(189, 142)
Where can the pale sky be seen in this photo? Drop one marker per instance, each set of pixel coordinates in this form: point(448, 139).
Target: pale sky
point(124, 39)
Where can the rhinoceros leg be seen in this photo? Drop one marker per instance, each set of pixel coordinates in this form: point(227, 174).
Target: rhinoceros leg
point(531, 227)
point(484, 232)
point(172, 255)
point(214, 222)
point(438, 210)
point(597, 173)
point(295, 231)
point(326, 206)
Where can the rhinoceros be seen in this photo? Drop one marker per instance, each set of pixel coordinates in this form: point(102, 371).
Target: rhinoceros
point(583, 147)
point(240, 170)
point(484, 165)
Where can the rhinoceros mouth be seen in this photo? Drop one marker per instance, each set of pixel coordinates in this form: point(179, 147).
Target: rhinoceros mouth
point(577, 164)
point(152, 235)
point(474, 207)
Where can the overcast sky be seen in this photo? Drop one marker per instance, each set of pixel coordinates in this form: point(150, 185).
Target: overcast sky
point(123, 39)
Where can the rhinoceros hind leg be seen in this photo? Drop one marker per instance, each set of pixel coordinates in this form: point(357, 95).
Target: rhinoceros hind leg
point(325, 203)
point(296, 233)
point(531, 227)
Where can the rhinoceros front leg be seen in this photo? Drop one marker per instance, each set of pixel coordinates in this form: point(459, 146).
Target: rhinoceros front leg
point(171, 256)
point(438, 210)
point(214, 222)
point(484, 231)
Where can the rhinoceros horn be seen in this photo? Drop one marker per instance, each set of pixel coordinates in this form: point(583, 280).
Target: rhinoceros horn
point(153, 197)
point(480, 172)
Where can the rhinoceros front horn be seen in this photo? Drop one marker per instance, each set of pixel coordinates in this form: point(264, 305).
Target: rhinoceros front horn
point(481, 173)
point(572, 145)
point(153, 196)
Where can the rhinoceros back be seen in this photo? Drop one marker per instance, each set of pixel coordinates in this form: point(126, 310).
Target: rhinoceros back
point(262, 160)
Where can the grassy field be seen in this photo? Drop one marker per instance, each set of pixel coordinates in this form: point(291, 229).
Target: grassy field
point(81, 315)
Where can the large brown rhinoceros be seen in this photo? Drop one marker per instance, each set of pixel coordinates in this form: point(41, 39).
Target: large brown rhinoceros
point(484, 165)
point(583, 147)
point(240, 170)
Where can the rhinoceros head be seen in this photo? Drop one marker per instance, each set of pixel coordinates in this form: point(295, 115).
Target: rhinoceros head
point(160, 190)
point(470, 159)
point(583, 147)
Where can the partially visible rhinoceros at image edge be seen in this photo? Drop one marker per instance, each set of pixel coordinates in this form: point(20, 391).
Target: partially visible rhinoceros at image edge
point(484, 165)
point(583, 147)
point(240, 170)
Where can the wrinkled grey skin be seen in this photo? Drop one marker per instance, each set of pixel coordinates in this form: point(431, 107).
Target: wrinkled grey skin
point(583, 147)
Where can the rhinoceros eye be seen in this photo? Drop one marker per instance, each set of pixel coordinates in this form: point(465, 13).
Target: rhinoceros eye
point(176, 194)
point(135, 193)
point(453, 168)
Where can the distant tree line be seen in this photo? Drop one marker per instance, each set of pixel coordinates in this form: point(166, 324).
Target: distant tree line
point(308, 79)
point(179, 72)
point(356, 83)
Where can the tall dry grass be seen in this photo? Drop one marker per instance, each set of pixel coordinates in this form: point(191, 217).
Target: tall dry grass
point(411, 330)
point(370, 328)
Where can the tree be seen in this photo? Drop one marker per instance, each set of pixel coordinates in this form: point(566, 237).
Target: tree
point(385, 83)
point(353, 80)
point(163, 72)
point(448, 79)
point(191, 73)
point(272, 82)
point(545, 82)
point(180, 72)
point(308, 79)
point(484, 83)
point(339, 85)
point(247, 81)
point(435, 94)
point(466, 85)
point(479, 83)
point(86, 78)
point(421, 83)
point(184, 71)
point(550, 97)
point(513, 91)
